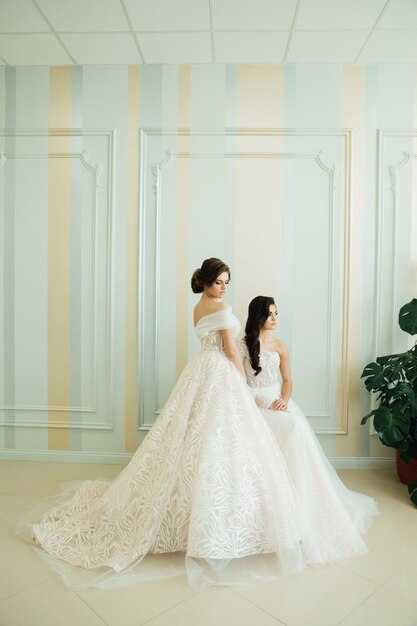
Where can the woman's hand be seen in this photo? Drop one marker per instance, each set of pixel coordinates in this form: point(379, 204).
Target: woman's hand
point(278, 405)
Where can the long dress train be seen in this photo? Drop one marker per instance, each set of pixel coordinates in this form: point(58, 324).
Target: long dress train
point(208, 482)
point(332, 516)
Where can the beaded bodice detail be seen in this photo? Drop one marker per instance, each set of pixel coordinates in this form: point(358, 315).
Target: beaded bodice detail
point(269, 361)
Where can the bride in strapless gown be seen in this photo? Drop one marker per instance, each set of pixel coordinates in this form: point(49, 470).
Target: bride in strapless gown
point(332, 516)
point(208, 482)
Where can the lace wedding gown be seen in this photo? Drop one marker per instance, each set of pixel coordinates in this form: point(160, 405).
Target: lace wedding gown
point(208, 482)
point(332, 516)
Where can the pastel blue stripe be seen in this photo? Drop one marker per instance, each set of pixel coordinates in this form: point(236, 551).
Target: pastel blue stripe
point(9, 255)
point(285, 298)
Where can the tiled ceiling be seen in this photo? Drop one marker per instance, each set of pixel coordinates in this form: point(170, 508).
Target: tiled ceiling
point(68, 32)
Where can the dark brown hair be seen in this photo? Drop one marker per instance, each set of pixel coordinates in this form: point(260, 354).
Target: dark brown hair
point(258, 312)
point(207, 274)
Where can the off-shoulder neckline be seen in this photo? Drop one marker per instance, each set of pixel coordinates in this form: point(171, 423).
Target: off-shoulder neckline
point(226, 308)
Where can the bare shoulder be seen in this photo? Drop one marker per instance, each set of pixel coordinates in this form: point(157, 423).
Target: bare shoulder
point(281, 347)
point(277, 345)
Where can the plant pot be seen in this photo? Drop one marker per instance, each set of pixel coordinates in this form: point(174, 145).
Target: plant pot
point(406, 471)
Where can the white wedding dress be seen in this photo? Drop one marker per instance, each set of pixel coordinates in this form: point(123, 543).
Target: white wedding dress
point(332, 515)
point(209, 486)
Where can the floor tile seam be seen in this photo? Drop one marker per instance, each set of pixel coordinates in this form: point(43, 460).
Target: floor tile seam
point(278, 620)
point(371, 580)
point(359, 605)
point(398, 593)
point(91, 608)
point(149, 621)
point(13, 595)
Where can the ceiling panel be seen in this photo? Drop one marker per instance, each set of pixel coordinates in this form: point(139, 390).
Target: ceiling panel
point(326, 46)
point(335, 14)
point(184, 31)
point(169, 15)
point(399, 14)
point(253, 15)
point(85, 15)
point(106, 48)
point(250, 47)
point(396, 46)
point(33, 50)
point(176, 47)
point(21, 16)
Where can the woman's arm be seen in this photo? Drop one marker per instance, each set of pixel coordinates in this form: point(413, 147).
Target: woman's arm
point(231, 350)
point(286, 388)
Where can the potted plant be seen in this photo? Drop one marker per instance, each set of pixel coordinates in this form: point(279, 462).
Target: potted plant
point(394, 379)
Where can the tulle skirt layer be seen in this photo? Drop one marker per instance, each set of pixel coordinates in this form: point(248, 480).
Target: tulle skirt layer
point(333, 517)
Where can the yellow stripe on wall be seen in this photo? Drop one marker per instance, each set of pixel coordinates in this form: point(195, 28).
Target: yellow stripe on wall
point(59, 209)
point(131, 284)
point(260, 96)
point(183, 201)
point(353, 116)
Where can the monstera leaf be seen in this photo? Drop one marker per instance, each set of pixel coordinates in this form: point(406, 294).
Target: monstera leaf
point(393, 380)
point(374, 375)
point(407, 318)
point(392, 425)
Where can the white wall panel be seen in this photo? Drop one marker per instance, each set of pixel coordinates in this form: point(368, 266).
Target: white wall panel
point(318, 261)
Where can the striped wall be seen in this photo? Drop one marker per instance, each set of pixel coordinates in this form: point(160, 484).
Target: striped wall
point(116, 182)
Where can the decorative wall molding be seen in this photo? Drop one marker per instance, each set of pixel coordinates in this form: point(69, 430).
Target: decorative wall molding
point(394, 171)
point(96, 170)
point(331, 170)
point(157, 168)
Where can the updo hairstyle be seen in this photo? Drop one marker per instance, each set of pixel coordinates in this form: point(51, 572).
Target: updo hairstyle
point(207, 274)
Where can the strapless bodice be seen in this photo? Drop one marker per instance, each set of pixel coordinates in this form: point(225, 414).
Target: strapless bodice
point(269, 361)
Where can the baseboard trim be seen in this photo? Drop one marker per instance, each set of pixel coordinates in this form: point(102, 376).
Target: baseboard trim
point(357, 463)
point(58, 456)
point(123, 458)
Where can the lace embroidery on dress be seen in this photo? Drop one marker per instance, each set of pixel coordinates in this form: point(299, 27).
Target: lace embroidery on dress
point(268, 376)
point(207, 480)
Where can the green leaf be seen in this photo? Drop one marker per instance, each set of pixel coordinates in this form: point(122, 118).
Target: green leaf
point(366, 417)
point(392, 425)
point(392, 437)
point(412, 490)
point(383, 418)
point(407, 318)
point(374, 374)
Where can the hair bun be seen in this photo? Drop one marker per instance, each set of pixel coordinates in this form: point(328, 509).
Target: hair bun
point(196, 285)
point(208, 273)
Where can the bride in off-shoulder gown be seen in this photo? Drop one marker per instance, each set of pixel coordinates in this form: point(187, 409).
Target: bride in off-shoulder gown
point(208, 481)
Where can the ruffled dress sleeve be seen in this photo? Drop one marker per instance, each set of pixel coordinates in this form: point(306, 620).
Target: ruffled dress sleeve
point(219, 320)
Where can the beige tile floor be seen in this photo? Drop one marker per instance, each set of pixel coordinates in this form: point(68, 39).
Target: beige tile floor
point(378, 589)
